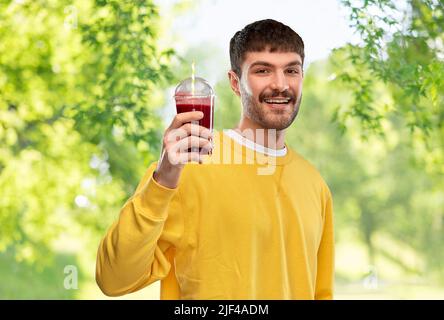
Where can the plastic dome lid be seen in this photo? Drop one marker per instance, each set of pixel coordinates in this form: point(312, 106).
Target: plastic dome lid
point(201, 87)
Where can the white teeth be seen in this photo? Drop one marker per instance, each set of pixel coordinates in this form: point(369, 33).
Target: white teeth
point(276, 100)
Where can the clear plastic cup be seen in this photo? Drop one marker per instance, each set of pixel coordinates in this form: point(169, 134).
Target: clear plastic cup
point(196, 95)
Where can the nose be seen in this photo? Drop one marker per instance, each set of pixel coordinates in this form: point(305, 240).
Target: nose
point(279, 82)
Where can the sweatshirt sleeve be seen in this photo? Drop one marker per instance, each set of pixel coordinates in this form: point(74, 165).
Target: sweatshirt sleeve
point(326, 253)
point(132, 254)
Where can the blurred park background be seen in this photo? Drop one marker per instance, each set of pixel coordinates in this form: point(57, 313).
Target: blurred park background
point(86, 92)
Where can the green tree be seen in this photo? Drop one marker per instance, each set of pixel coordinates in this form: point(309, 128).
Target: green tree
point(402, 51)
point(80, 88)
point(402, 47)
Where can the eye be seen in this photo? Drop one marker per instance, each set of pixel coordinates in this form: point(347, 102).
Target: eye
point(293, 71)
point(261, 71)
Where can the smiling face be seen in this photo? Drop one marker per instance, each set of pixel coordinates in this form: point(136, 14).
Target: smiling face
point(270, 88)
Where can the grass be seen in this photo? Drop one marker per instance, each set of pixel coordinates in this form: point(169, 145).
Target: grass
point(25, 281)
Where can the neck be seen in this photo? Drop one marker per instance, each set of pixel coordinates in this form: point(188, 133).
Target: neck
point(269, 138)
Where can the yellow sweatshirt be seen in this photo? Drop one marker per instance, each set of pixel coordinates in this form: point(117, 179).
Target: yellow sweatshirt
point(228, 231)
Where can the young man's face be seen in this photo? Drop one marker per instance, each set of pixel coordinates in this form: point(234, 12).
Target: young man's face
point(270, 88)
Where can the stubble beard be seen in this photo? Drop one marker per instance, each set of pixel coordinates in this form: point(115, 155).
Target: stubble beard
point(273, 119)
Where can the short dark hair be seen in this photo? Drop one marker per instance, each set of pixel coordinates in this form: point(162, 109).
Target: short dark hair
point(259, 35)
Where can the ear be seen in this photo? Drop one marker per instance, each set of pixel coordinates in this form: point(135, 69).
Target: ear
point(234, 82)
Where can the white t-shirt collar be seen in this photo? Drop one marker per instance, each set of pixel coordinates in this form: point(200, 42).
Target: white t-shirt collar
point(254, 146)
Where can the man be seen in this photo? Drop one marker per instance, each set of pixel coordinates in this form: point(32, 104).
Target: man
point(223, 230)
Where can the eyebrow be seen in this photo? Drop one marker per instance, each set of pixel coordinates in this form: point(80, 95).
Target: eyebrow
point(267, 64)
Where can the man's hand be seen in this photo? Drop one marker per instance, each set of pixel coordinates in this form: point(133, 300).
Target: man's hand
point(181, 143)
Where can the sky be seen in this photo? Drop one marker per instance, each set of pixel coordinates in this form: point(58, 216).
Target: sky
point(322, 24)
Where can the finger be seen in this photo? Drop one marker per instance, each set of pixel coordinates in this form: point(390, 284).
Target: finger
point(188, 129)
point(176, 158)
point(191, 142)
point(184, 117)
point(175, 135)
point(196, 130)
point(206, 150)
point(186, 157)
